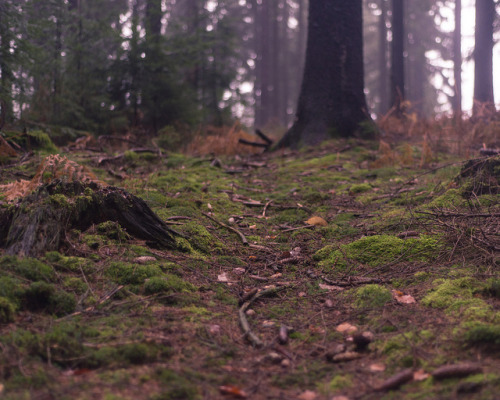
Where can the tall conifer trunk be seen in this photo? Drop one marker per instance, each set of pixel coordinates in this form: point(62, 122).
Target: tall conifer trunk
point(397, 56)
point(483, 55)
point(332, 101)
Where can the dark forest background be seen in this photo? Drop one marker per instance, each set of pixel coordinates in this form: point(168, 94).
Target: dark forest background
point(111, 66)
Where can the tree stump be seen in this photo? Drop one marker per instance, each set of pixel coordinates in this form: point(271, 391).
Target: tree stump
point(483, 175)
point(39, 222)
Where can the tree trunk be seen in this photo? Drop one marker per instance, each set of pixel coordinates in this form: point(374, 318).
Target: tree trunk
point(457, 59)
point(40, 222)
point(483, 56)
point(382, 60)
point(397, 57)
point(332, 101)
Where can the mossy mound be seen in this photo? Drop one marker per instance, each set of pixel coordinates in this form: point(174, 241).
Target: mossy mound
point(372, 296)
point(45, 297)
point(29, 268)
point(377, 250)
point(458, 297)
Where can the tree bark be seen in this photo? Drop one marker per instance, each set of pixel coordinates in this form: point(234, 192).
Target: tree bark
point(457, 59)
point(332, 101)
point(397, 57)
point(39, 223)
point(483, 56)
point(382, 61)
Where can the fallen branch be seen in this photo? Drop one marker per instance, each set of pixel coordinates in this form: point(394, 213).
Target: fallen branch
point(241, 235)
point(245, 326)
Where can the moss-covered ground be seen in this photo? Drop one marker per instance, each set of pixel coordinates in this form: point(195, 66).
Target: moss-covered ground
point(399, 271)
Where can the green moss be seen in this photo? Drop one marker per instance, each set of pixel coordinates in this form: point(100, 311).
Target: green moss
point(201, 239)
point(59, 200)
point(168, 283)
point(112, 230)
point(452, 198)
point(360, 188)
point(42, 296)
point(446, 292)
point(132, 274)
point(28, 268)
point(11, 289)
point(139, 353)
point(131, 156)
point(377, 250)
point(7, 311)
point(41, 141)
point(93, 241)
point(76, 285)
point(69, 264)
point(177, 386)
point(340, 382)
point(372, 296)
point(483, 334)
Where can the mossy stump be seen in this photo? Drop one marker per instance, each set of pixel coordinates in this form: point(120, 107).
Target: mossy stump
point(39, 222)
point(483, 175)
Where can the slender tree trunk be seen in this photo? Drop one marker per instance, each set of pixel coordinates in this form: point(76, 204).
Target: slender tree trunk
point(276, 57)
point(332, 101)
point(397, 57)
point(56, 79)
point(483, 56)
point(284, 69)
point(382, 60)
point(265, 100)
point(257, 45)
point(457, 59)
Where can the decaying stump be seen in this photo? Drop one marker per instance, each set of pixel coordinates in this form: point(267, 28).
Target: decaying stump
point(40, 220)
point(483, 175)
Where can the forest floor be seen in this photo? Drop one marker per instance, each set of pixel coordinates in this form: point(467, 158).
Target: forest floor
point(358, 273)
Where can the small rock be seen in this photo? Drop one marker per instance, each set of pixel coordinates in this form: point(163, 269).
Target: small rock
point(347, 356)
point(274, 357)
point(285, 363)
point(239, 271)
point(214, 329)
point(329, 303)
point(268, 324)
point(376, 367)
point(346, 327)
point(144, 259)
point(250, 312)
point(308, 395)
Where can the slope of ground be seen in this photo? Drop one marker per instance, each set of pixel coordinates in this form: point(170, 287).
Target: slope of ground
point(316, 274)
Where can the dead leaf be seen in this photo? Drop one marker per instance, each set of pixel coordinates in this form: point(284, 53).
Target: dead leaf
point(347, 356)
point(376, 367)
point(402, 298)
point(222, 277)
point(252, 227)
point(330, 288)
point(239, 271)
point(308, 395)
point(420, 375)
point(346, 327)
point(316, 221)
point(233, 391)
point(144, 259)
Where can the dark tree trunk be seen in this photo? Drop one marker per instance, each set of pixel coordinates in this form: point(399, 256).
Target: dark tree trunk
point(483, 55)
point(332, 101)
point(382, 61)
point(457, 59)
point(397, 56)
point(40, 222)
